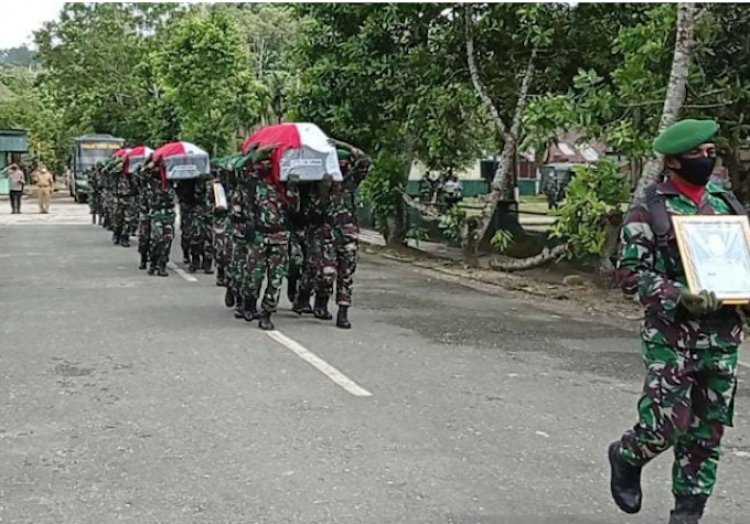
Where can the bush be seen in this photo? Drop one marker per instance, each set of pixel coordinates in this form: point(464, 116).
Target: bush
point(451, 223)
point(501, 240)
point(595, 192)
point(382, 190)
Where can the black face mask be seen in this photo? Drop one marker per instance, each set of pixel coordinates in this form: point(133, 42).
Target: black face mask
point(696, 171)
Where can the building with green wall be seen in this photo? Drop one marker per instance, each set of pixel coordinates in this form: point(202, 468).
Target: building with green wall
point(13, 143)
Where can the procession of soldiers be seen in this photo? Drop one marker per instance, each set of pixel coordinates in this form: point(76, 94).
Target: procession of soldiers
point(243, 224)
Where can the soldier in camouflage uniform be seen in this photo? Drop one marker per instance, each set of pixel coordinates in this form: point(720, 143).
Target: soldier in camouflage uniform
point(104, 183)
point(221, 226)
point(339, 257)
point(297, 249)
point(201, 234)
point(187, 200)
point(690, 340)
point(141, 179)
point(109, 200)
point(125, 208)
point(161, 198)
point(94, 194)
point(242, 232)
point(268, 256)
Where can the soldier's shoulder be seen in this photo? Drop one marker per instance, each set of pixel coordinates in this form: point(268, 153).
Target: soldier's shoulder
point(639, 210)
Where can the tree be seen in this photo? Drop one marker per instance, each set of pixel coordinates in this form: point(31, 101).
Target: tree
point(27, 106)
point(371, 74)
point(676, 88)
point(204, 73)
point(270, 33)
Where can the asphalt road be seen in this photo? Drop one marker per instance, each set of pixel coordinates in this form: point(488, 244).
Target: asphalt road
point(128, 398)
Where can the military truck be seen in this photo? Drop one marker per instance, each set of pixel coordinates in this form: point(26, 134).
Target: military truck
point(87, 151)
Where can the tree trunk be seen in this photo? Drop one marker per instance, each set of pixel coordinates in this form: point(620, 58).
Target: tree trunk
point(474, 230)
point(676, 89)
point(547, 255)
point(396, 224)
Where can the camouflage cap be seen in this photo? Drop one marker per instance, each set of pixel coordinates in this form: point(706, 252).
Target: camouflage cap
point(685, 136)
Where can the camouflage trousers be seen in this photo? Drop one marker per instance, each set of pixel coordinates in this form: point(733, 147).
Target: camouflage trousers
point(336, 261)
point(95, 204)
point(201, 238)
point(221, 247)
point(238, 277)
point(186, 227)
point(268, 259)
point(297, 250)
point(314, 244)
point(123, 220)
point(687, 401)
point(144, 234)
point(162, 234)
point(107, 213)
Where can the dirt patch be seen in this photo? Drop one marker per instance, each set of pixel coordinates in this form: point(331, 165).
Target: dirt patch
point(545, 287)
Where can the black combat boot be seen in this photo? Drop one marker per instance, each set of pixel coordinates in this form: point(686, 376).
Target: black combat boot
point(250, 311)
point(229, 297)
point(144, 261)
point(125, 240)
point(221, 277)
point(195, 263)
point(321, 308)
point(291, 285)
point(163, 269)
point(342, 319)
point(239, 307)
point(625, 482)
point(208, 265)
point(688, 509)
point(185, 256)
point(265, 321)
point(115, 238)
point(302, 304)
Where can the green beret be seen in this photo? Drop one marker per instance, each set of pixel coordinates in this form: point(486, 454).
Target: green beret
point(261, 155)
point(685, 136)
point(343, 154)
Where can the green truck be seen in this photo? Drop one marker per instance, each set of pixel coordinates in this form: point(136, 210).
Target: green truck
point(87, 151)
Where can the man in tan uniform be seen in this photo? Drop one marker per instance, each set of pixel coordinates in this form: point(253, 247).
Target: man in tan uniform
point(45, 184)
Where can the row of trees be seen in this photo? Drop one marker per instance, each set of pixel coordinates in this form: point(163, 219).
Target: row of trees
point(444, 84)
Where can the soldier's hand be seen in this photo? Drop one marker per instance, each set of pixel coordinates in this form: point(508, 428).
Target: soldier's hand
point(700, 303)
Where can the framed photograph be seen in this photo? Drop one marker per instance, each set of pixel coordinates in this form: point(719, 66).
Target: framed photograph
point(715, 252)
point(220, 196)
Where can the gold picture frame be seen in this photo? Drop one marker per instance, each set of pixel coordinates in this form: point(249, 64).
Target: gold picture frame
point(715, 253)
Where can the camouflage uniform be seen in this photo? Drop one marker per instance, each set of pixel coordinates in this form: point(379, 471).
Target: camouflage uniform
point(162, 217)
point(691, 361)
point(222, 230)
point(105, 179)
point(141, 179)
point(239, 280)
point(201, 231)
point(342, 209)
point(318, 239)
point(95, 196)
point(187, 200)
point(269, 252)
point(124, 211)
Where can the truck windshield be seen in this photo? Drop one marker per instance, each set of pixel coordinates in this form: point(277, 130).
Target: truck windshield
point(89, 157)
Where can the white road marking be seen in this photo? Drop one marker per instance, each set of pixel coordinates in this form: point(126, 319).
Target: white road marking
point(174, 267)
point(321, 365)
point(744, 365)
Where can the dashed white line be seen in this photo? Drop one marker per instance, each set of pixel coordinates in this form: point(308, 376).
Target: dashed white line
point(174, 267)
point(321, 365)
point(744, 365)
